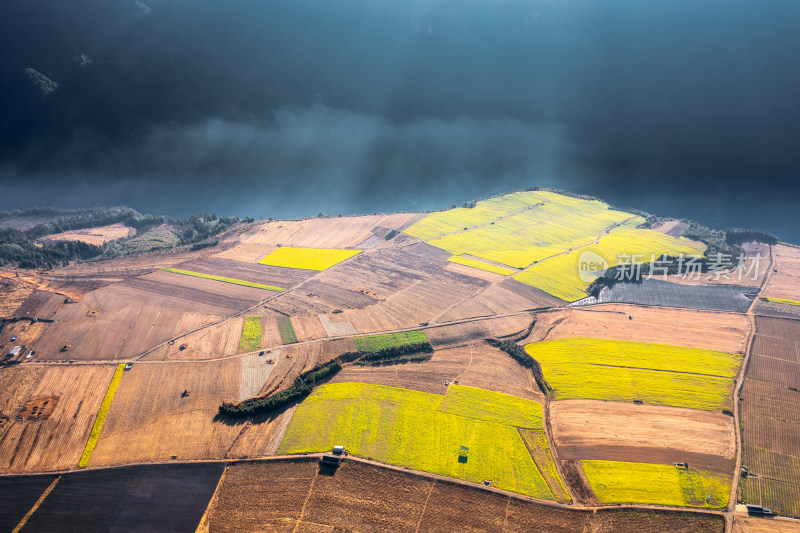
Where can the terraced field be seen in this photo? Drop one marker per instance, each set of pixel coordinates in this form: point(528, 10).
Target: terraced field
point(627, 371)
point(425, 431)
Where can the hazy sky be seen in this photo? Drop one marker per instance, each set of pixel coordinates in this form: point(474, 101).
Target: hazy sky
point(292, 107)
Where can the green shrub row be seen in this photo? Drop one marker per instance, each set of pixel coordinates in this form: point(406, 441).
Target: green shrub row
point(303, 386)
point(394, 352)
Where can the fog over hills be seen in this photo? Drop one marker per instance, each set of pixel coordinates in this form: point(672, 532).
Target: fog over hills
point(287, 109)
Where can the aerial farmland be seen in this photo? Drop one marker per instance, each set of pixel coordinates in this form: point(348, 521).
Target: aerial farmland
point(474, 377)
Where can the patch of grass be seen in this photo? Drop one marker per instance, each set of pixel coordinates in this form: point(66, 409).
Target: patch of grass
point(251, 334)
point(308, 258)
point(466, 261)
point(224, 279)
point(288, 336)
point(560, 275)
point(373, 343)
point(423, 431)
point(101, 416)
point(626, 371)
point(621, 482)
point(782, 301)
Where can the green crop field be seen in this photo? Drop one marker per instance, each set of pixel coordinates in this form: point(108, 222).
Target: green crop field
point(626, 371)
point(560, 275)
point(97, 428)
point(466, 261)
point(424, 431)
point(389, 340)
point(251, 334)
point(286, 329)
point(308, 258)
point(621, 482)
point(224, 279)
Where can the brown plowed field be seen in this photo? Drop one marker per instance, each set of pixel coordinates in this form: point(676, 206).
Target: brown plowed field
point(508, 296)
point(118, 322)
point(725, 332)
point(478, 365)
point(41, 304)
point(770, 410)
point(748, 278)
point(675, 228)
point(308, 328)
point(57, 442)
point(293, 496)
point(286, 278)
point(478, 330)
point(785, 280)
point(95, 236)
point(12, 294)
point(589, 429)
point(751, 524)
point(151, 420)
point(340, 232)
point(200, 290)
point(210, 342)
point(776, 310)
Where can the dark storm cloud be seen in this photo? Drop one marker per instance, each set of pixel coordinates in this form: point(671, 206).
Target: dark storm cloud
point(292, 108)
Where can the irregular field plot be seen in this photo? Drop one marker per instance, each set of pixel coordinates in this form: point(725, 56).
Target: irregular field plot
point(307, 258)
point(473, 263)
point(590, 429)
point(785, 282)
point(251, 334)
point(424, 432)
point(366, 497)
point(520, 228)
point(131, 498)
point(626, 371)
point(101, 416)
point(56, 442)
point(12, 295)
point(536, 441)
point(726, 332)
point(95, 236)
point(389, 340)
point(621, 482)
point(223, 279)
point(560, 277)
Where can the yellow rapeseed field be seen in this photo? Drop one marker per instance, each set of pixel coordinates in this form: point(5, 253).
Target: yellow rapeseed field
point(308, 258)
point(467, 261)
point(101, 416)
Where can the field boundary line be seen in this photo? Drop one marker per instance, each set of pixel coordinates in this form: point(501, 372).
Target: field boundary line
point(36, 505)
point(425, 507)
point(659, 370)
point(305, 503)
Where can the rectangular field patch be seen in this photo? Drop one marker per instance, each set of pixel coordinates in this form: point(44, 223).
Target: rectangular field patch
point(288, 335)
point(389, 340)
point(224, 279)
point(251, 334)
point(308, 258)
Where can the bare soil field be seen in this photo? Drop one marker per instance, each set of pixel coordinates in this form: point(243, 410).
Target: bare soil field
point(40, 304)
point(200, 290)
point(382, 289)
point(674, 228)
point(770, 409)
point(751, 524)
point(478, 365)
point(211, 342)
point(663, 293)
point(753, 271)
point(27, 334)
point(163, 411)
point(12, 294)
point(286, 278)
point(134, 498)
point(95, 236)
point(765, 308)
point(785, 280)
point(119, 322)
point(725, 332)
point(588, 429)
point(20, 493)
point(450, 335)
point(340, 232)
point(508, 296)
point(56, 442)
point(365, 497)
